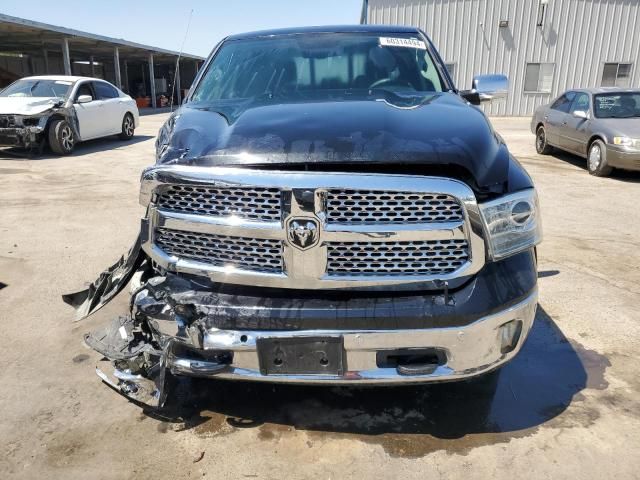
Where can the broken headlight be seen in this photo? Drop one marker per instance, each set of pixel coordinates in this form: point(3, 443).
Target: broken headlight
point(30, 121)
point(512, 223)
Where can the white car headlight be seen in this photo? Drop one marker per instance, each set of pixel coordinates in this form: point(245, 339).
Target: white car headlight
point(624, 141)
point(512, 223)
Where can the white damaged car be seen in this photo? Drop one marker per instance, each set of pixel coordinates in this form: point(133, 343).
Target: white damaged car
point(63, 110)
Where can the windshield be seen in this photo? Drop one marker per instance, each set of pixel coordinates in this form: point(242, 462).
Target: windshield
point(334, 65)
point(37, 88)
point(617, 105)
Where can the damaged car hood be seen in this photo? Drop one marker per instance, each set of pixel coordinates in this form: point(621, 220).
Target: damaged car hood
point(440, 130)
point(27, 105)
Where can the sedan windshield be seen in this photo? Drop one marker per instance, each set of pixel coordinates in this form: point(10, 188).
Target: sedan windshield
point(325, 65)
point(617, 105)
point(37, 88)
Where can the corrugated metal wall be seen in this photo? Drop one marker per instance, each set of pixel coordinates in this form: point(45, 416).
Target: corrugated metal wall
point(579, 36)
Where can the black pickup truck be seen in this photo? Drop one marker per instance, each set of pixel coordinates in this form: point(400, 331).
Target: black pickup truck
point(325, 207)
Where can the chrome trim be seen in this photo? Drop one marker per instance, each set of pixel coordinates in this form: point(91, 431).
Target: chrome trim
point(304, 197)
point(470, 350)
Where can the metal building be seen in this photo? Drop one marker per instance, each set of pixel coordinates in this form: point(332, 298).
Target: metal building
point(543, 46)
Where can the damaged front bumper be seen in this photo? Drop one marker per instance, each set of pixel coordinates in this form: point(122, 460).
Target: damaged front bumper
point(165, 338)
point(23, 137)
point(181, 325)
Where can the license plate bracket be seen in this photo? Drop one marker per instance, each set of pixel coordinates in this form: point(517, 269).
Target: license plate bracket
point(301, 356)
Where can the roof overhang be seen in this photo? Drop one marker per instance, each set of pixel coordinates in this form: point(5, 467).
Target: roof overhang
point(20, 35)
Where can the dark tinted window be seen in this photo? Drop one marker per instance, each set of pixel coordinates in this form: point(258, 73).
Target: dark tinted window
point(564, 102)
point(617, 105)
point(104, 91)
point(84, 89)
point(338, 65)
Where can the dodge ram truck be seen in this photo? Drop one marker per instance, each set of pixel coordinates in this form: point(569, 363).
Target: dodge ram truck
point(326, 207)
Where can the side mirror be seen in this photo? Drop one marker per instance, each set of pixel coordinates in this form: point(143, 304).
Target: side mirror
point(85, 98)
point(581, 114)
point(486, 88)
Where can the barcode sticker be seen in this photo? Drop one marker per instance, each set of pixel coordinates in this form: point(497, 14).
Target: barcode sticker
point(402, 42)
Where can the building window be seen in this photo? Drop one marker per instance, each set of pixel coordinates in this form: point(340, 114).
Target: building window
point(451, 68)
point(616, 75)
point(538, 77)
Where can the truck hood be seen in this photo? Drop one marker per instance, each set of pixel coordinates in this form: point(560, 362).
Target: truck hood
point(26, 105)
point(442, 130)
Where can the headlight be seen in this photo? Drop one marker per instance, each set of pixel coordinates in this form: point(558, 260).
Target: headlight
point(623, 141)
point(512, 223)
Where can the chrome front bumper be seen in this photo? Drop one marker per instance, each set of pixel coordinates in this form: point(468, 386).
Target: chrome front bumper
point(470, 350)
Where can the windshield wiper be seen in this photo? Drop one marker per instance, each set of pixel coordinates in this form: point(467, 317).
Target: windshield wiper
point(413, 98)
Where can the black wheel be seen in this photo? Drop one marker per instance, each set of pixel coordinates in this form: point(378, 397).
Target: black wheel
point(128, 126)
point(61, 137)
point(597, 159)
point(542, 147)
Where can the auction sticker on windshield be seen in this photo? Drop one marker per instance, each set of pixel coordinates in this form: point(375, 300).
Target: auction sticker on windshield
point(402, 42)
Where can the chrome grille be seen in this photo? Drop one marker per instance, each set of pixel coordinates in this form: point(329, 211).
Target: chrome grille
point(428, 257)
point(259, 204)
point(377, 206)
point(312, 230)
point(261, 255)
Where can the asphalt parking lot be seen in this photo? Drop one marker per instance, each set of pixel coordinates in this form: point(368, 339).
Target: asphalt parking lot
point(567, 407)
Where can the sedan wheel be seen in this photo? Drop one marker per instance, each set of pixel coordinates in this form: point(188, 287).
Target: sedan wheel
point(66, 137)
point(542, 147)
point(61, 137)
point(128, 127)
point(597, 160)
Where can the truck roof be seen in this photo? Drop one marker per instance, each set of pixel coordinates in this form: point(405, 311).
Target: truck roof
point(383, 29)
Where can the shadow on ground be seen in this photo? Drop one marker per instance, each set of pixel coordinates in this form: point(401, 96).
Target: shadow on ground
point(537, 386)
point(624, 175)
point(81, 149)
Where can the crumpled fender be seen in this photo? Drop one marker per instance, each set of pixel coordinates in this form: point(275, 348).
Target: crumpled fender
point(108, 284)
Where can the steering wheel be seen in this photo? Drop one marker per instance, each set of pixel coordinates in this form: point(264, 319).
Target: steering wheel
point(389, 81)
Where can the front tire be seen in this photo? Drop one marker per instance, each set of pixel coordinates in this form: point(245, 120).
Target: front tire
point(597, 159)
point(61, 137)
point(542, 147)
point(128, 127)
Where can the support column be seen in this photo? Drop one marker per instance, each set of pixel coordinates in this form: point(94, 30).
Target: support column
point(152, 81)
point(93, 66)
point(116, 65)
point(197, 66)
point(126, 77)
point(66, 59)
point(45, 55)
point(179, 97)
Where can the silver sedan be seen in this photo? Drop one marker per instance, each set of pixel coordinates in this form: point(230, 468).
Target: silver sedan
point(599, 124)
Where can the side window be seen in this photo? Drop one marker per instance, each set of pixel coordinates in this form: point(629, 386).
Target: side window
point(84, 89)
point(564, 102)
point(104, 91)
point(580, 103)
